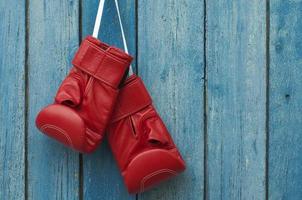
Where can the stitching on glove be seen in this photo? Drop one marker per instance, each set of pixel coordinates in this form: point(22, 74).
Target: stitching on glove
point(45, 126)
point(132, 126)
point(114, 57)
point(149, 176)
point(92, 136)
point(88, 86)
point(93, 74)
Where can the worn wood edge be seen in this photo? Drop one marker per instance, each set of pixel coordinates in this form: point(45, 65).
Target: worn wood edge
point(12, 106)
point(285, 122)
point(172, 67)
point(236, 78)
point(53, 39)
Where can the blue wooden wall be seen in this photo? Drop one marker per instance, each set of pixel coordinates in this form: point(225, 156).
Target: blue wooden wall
point(225, 75)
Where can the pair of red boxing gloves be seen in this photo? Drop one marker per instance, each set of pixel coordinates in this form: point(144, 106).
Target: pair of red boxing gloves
point(96, 98)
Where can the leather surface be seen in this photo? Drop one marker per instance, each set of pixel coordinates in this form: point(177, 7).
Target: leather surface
point(140, 142)
point(85, 100)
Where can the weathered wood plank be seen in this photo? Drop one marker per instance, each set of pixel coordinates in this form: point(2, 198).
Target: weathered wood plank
point(285, 107)
point(236, 93)
point(53, 170)
point(170, 61)
point(12, 106)
point(102, 179)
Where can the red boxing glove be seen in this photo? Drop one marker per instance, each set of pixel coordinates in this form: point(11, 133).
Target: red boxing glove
point(140, 142)
point(85, 100)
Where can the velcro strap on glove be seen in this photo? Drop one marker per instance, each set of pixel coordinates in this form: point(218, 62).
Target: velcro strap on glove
point(103, 62)
point(132, 97)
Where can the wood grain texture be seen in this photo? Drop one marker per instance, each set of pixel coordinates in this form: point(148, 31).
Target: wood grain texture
point(12, 106)
point(285, 105)
point(101, 177)
point(236, 93)
point(53, 169)
point(170, 61)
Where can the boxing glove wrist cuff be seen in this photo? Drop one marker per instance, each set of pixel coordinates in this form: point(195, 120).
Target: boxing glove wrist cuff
point(106, 63)
point(132, 98)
